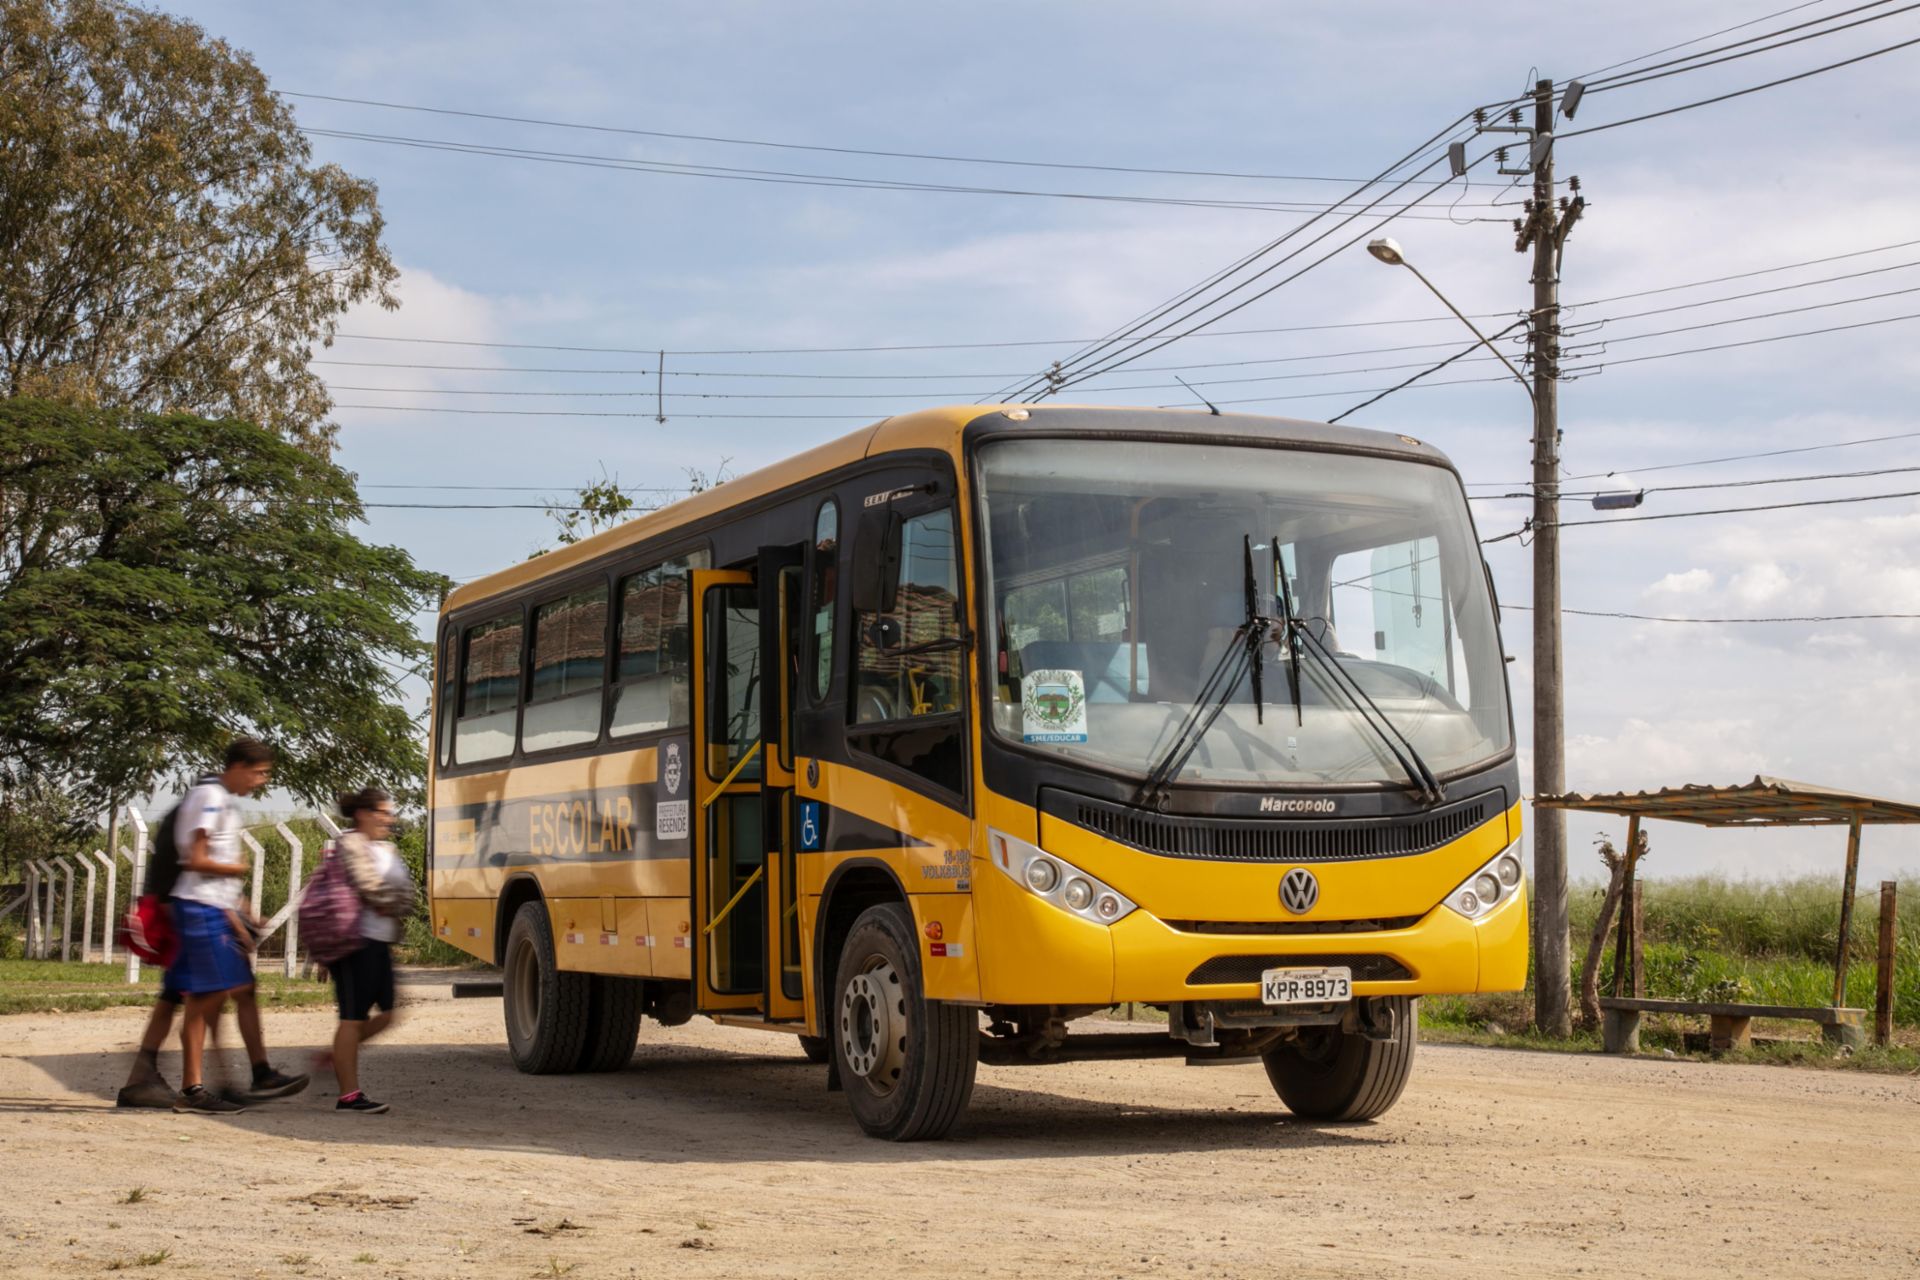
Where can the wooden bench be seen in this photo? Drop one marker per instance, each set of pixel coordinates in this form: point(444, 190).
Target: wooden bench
point(1729, 1026)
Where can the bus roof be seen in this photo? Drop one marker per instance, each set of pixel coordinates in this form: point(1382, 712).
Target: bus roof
point(940, 428)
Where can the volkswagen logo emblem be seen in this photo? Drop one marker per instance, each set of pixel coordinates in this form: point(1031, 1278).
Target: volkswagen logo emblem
point(1299, 891)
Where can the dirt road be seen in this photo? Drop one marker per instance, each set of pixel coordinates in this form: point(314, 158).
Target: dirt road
point(719, 1153)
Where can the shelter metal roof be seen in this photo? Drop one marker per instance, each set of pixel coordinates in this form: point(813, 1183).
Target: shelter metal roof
point(1764, 802)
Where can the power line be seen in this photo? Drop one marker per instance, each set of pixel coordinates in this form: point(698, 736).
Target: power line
point(1463, 354)
point(1218, 278)
point(1737, 457)
point(1761, 293)
point(1700, 61)
point(1738, 26)
point(1731, 511)
point(824, 149)
point(778, 177)
point(1121, 359)
point(1741, 93)
point(1649, 617)
point(1728, 346)
point(1743, 275)
point(1716, 484)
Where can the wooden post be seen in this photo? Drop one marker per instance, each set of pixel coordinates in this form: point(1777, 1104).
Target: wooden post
point(1624, 948)
point(1846, 912)
point(1639, 944)
point(1883, 969)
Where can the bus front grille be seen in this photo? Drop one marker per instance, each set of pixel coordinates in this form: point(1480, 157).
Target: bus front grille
point(1225, 969)
point(1271, 839)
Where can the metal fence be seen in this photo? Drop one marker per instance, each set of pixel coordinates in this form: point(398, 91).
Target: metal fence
point(57, 889)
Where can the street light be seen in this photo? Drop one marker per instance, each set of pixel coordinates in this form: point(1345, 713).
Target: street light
point(1388, 250)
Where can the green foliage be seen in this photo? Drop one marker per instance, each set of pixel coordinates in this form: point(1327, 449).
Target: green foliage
point(603, 504)
point(39, 821)
point(599, 505)
point(168, 242)
point(167, 582)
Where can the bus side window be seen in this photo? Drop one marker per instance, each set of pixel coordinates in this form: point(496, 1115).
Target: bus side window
point(894, 682)
point(489, 690)
point(569, 668)
point(651, 679)
point(906, 696)
point(821, 591)
point(449, 667)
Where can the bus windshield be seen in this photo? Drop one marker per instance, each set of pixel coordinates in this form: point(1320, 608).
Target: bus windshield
point(1117, 571)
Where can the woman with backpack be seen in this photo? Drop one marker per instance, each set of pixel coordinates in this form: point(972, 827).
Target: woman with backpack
point(363, 978)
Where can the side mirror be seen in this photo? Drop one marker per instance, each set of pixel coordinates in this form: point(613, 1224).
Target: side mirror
point(876, 562)
point(885, 633)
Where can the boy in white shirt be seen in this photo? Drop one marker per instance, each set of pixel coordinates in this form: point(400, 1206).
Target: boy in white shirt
point(216, 941)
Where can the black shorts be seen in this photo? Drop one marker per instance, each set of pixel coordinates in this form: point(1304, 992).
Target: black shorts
point(363, 980)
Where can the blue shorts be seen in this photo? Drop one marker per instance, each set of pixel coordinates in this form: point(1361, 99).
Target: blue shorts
point(211, 958)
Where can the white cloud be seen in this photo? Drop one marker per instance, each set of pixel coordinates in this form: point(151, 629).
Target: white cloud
point(1691, 582)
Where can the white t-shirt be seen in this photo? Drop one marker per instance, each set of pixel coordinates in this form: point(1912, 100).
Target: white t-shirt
point(391, 867)
point(209, 807)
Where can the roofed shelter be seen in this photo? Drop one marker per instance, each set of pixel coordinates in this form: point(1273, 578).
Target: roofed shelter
point(1764, 802)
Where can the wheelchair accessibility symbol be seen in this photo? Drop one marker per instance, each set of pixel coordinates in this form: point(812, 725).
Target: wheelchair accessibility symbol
point(809, 826)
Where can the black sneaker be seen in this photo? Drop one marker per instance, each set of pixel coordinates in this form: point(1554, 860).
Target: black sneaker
point(363, 1104)
point(198, 1099)
point(147, 1093)
point(274, 1084)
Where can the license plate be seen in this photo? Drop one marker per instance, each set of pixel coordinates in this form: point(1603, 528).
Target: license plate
point(1306, 986)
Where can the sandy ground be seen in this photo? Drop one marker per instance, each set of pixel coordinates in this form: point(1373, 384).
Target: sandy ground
point(720, 1153)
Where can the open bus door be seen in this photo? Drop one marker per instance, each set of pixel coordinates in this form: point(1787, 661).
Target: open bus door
point(745, 902)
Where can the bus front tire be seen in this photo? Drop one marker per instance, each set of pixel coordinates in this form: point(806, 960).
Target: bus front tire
point(1326, 1073)
point(906, 1063)
point(546, 1010)
point(613, 1022)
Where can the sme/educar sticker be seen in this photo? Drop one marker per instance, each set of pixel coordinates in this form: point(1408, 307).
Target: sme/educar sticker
point(1053, 706)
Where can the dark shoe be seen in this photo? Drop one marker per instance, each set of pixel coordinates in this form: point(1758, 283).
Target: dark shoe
point(363, 1104)
point(148, 1093)
point(199, 1099)
point(274, 1084)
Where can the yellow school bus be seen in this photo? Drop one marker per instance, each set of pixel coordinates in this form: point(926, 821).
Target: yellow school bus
point(926, 743)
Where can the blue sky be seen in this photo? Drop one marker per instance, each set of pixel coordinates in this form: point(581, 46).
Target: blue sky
point(510, 251)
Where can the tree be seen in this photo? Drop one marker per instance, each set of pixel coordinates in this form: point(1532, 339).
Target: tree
point(169, 581)
point(168, 243)
point(604, 504)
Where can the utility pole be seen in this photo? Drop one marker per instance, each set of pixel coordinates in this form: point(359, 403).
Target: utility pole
point(1544, 230)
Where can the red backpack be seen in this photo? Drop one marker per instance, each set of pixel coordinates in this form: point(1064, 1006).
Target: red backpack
point(147, 930)
point(330, 910)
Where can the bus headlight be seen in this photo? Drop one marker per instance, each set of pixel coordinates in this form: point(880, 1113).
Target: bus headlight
point(1054, 880)
point(1501, 878)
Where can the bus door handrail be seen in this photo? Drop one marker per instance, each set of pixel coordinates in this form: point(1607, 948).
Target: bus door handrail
point(734, 901)
point(732, 773)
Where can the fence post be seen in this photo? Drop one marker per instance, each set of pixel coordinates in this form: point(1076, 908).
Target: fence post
point(66, 919)
point(101, 857)
point(259, 865)
point(33, 908)
point(294, 854)
point(139, 860)
point(1883, 968)
point(50, 879)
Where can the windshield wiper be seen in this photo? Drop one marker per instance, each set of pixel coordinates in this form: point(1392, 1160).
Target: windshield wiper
point(1244, 650)
point(1289, 621)
point(1423, 778)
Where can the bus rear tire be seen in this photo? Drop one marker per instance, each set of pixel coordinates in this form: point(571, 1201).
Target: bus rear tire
point(613, 1023)
point(546, 1010)
point(1326, 1073)
point(816, 1048)
point(906, 1063)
